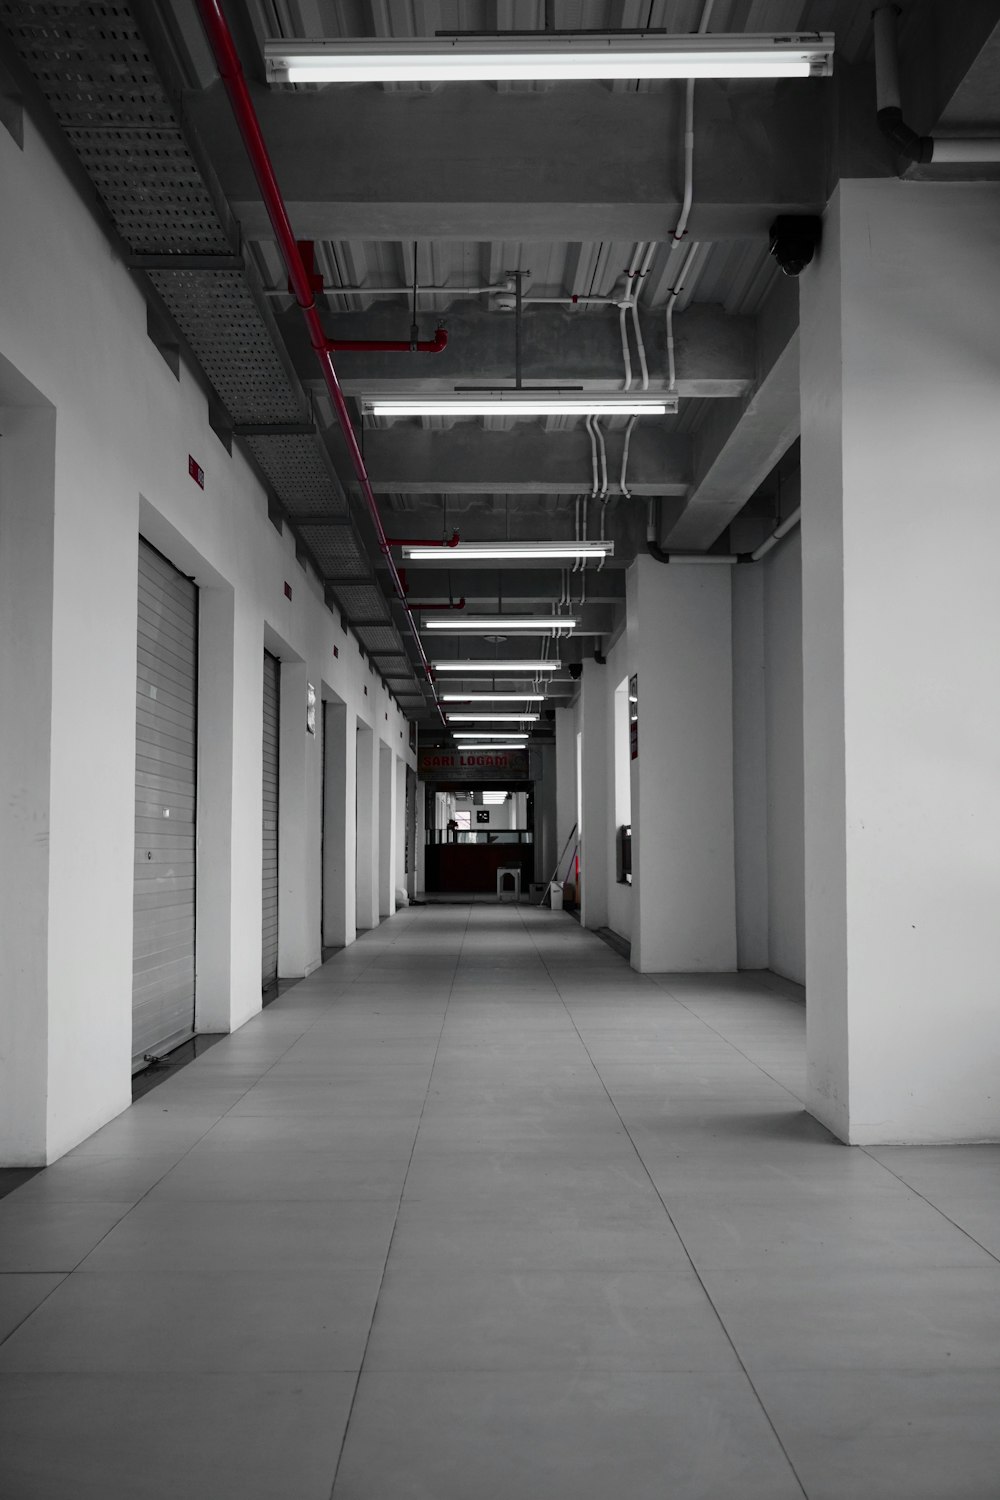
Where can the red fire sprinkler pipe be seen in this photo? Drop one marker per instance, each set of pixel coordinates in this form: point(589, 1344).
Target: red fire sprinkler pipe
point(419, 541)
point(227, 61)
point(459, 605)
point(436, 345)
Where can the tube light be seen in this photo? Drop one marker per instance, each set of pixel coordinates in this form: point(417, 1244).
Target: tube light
point(490, 734)
point(488, 668)
point(540, 624)
point(515, 745)
point(492, 697)
point(492, 718)
point(507, 551)
point(557, 59)
point(515, 403)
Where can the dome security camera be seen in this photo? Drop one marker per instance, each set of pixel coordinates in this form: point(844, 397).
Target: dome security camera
point(793, 239)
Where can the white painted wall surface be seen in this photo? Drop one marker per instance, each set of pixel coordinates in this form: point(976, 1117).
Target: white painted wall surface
point(595, 799)
point(901, 531)
point(683, 890)
point(72, 323)
point(750, 803)
point(619, 784)
point(786, 891)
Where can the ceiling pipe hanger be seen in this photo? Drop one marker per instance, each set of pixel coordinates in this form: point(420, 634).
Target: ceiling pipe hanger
point(227, 61)
point(412, 345)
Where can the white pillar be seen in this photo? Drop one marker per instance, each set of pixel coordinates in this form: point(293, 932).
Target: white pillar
point(565, 768)
point(399, 861)
point(339, 827)
point(597, 791)
point(26, 524)
point(900, 532)
point(683, 888)
point(366, 820)
point(386, 831)
point(298, 931)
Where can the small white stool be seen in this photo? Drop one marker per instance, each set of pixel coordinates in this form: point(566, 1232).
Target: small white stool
point(509, 883)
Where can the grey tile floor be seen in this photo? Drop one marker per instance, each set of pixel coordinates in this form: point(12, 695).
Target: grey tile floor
point(477, 1213)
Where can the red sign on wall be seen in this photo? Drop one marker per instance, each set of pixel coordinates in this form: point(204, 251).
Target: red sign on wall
point(473, 765)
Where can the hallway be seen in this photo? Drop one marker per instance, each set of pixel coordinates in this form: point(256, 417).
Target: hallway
point(570, 1223)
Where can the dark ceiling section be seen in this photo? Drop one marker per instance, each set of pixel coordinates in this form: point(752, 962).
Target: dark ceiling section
point(93, 68)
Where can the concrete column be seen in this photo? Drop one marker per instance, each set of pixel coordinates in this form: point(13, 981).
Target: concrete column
point(26, 525)
point(214, 950)
point(366, 822)
point(683, 893)
point(901, 639)
point(386, 831)
point(597, 790)
point(298, 934)
point(340, 827)
point(565, 769)
point(399, 863)
point(750, 767)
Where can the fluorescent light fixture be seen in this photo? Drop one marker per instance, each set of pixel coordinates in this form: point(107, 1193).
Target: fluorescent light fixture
point(492, 718)
point(476, 59)
point(492, 697)
point(488, 668)
point(539, 624)
point(490, 734)
point(515, 403)
point(505, 746)
point(492, 552)
point(494, 799)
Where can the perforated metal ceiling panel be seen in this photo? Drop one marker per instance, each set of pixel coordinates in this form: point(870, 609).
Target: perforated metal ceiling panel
point(379, 638)
point(231, 342)
point(360, 603)
point(94, 68)
point(300, 476)
point(336, 550)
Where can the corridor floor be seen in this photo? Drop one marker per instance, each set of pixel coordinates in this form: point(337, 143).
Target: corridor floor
point(477, 1213)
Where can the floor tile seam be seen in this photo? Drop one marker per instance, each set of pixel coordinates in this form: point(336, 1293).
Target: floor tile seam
point(708, 1297)
point(63, 1276)
point(738, 1050)
point(392, 1234)
point(184, 1155)
point(931, 1204)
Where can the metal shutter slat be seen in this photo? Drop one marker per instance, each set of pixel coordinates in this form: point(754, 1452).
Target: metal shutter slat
point(163, 945)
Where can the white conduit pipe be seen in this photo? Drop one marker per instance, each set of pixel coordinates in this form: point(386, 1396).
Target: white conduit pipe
point(400, 291)
point(957, 150)
point(728, 559)
point(682, 222)
point(675, 292)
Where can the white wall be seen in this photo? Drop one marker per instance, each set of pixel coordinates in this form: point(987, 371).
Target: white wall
point(768, 764)
point(786, 890)
point(72, 324)
point(620, 788)
point(901, 610)
point(679, 634)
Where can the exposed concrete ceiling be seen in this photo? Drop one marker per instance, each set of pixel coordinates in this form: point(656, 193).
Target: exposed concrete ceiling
point(461, 186)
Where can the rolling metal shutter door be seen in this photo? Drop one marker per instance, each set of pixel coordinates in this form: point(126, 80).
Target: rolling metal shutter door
point(269, 886)
point(163, 933)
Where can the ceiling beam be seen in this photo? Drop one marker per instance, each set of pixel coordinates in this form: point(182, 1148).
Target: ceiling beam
point(739, 443)
point(412, 460)
point(715, 352)
point(568, 163)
